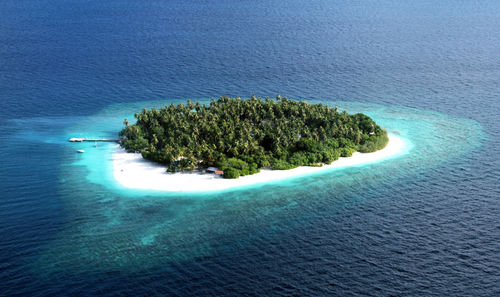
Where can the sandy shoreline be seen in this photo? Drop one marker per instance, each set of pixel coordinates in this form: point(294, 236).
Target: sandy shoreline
point(132, 171)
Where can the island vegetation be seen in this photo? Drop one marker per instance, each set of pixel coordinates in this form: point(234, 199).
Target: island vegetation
point(240, 136)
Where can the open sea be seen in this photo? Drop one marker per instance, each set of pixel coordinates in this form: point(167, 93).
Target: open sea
point(423, 223)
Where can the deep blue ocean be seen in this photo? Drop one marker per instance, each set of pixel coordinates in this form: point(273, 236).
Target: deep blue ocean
point(425, 223)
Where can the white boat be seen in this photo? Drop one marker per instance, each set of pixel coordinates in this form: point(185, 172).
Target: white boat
point(81, 151)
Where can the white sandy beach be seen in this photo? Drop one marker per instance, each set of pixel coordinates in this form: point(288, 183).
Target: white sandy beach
point(132, 171)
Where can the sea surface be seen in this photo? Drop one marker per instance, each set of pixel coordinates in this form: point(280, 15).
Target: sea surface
point(424, 223)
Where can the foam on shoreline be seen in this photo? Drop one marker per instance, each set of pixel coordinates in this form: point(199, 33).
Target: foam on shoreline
point(132, 171)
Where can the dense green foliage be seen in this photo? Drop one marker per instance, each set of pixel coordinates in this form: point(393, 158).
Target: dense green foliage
point(240, 136)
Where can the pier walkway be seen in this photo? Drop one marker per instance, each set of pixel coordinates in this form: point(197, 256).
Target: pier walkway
point(93, 140)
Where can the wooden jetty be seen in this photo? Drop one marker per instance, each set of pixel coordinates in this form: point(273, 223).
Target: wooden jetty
point(93, 140)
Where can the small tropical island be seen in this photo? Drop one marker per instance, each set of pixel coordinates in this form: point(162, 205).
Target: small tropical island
point(238, 137)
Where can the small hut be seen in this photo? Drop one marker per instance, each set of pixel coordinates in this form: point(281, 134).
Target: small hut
point(214, 170)
point(211, 170)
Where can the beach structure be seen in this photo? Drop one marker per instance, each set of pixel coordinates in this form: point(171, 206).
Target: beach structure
point(214, 170)
point(210, 170)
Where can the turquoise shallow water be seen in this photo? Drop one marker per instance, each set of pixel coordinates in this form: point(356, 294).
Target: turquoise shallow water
point(137, 229)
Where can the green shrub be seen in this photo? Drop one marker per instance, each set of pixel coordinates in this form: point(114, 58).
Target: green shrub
point(376, 143)
point(279, 164)
point(231, 173)
point(347, 152)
